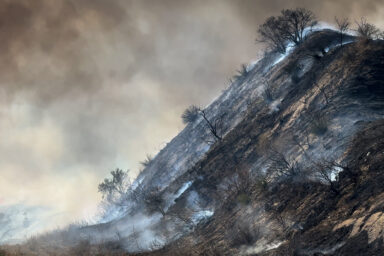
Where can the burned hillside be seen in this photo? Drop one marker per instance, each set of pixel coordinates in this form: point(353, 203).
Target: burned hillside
point(296, 169)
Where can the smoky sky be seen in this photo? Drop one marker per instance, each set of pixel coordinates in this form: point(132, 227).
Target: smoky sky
point(91, 85)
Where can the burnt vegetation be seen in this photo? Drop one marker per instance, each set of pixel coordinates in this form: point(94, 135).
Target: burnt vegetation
point(289, 27)
point(343, 27)
point(214, 125)
point(270, 178)
point(367, 31)
point(241, 74)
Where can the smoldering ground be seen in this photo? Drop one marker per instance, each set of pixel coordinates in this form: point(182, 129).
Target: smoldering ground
point(90, 85)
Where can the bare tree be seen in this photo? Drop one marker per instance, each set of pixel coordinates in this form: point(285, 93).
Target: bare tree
point(367, 30)
point(294, 23)
point(343, 26)
point(270, 34)
point(214, 126)
point(290, 26)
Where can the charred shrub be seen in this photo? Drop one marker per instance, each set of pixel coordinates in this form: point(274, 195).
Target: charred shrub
point(147, 161)
point(327, 172)
point(238, 187)
point(190, 114)
point(281, 168)
point(241, 73)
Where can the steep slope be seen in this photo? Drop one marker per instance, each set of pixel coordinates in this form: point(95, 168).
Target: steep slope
point(262, 189)
point(322, 102)
point(303, 218)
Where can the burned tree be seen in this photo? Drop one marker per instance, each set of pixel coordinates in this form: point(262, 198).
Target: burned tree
point(269, 33)
point(366, 30)
point(294, 23)
point(343, 26)
point(289, 27)
point(214, 126)
point(190, 114)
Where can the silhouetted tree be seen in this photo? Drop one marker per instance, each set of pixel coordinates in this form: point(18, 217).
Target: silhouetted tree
point(288, 27)
point(294, 23)
point(270, 34)
point(366, 30)
point(190, 114)
point(343, 26)
point(214, 126)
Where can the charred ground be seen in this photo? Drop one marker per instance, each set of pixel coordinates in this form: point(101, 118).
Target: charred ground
point(325, 105)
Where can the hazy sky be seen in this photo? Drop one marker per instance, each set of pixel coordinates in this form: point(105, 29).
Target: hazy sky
point(91, 85)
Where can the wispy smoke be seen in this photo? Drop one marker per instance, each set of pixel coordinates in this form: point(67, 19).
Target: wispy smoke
point(90, 85)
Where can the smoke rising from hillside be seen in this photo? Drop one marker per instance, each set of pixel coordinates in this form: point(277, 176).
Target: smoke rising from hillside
point(90, 85)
